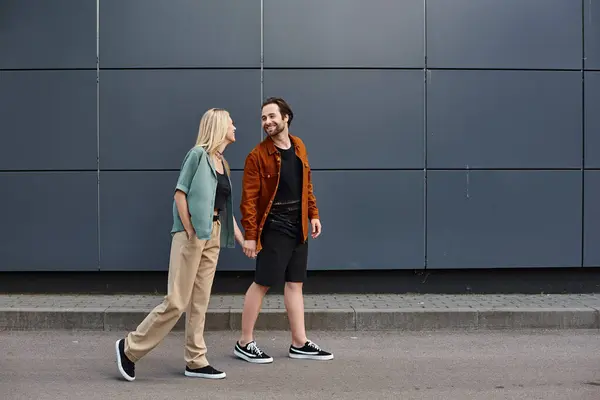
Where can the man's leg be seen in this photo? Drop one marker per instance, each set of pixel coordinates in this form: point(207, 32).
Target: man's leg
point(252, 304)
point(294, 304)
point(295, 276)
point(270, 268)
point(246, 348)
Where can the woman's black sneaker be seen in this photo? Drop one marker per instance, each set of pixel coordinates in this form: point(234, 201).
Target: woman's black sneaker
point(251, 353)
point(309, 351)
point(207, 372)
point(126, 366)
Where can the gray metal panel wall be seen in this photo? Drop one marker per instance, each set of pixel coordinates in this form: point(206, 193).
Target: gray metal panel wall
point(542, 34)
point(49, 221)
point(503, 219)
point(42, 34)
point(179, 33)
point(504, 92)
point(592, 34)
point(135, 219)
point(591, 256)
point(504, 119)
point(48, 152)
point(592, 119)
point(441, 134)
point(344, 33)
point(149, 119)
point(48, 120)
point(371, 220)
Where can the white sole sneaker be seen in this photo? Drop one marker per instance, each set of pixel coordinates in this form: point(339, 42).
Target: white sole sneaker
point(121, 370)
point(222, 375)
point(253, 360)
point(310, 357)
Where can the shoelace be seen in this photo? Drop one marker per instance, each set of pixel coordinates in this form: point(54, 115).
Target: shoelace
point(314, 346)
point(254, 348)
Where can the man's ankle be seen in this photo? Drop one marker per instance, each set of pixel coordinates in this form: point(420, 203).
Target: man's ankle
point(299, 343)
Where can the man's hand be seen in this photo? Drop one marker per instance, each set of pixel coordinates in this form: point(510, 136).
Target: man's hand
point(316, 228)
point(250, 248)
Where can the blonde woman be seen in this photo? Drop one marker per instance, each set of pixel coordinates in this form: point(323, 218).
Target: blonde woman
point(202, 192)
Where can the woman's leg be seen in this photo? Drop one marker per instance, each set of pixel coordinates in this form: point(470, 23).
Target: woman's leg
point(183, 266)
point(195, 347)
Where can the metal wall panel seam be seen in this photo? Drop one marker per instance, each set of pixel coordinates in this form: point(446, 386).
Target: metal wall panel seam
point(98, 129)
point(262, 56)
point(583, 132)
point(425, 83)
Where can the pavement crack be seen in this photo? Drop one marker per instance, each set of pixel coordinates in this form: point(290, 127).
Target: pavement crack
point(355, 317)
point(592, 383)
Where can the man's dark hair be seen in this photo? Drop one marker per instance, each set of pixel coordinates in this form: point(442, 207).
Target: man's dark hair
point(284, 107)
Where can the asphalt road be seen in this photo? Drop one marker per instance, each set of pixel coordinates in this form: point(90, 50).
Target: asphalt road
point(390, 365)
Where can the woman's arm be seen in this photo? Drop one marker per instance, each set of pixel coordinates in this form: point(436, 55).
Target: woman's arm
point(190, 165)
point(184, 213)
point(239, 236)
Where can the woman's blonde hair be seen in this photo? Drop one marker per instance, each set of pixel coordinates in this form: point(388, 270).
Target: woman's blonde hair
point(213, 129)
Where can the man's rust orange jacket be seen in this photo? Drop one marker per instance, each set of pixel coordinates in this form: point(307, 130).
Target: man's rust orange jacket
point(259, 186)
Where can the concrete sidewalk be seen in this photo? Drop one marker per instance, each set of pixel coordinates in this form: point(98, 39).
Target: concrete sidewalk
point(323, 312)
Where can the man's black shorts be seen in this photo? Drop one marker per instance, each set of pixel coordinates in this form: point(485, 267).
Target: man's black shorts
point(282, 257)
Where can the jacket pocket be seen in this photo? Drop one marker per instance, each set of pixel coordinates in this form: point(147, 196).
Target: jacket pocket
point(269, 175)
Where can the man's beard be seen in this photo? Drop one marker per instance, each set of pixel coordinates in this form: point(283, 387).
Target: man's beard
point(277, 130)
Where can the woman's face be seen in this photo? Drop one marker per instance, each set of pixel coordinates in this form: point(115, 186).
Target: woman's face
point(230, 136)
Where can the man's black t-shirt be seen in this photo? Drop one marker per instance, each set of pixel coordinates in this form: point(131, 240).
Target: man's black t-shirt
point(290, 179)
point(286, 211)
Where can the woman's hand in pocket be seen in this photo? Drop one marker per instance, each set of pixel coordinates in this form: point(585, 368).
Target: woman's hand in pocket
point(190, 234)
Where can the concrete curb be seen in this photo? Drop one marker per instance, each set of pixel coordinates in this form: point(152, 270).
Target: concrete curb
point(347, 319)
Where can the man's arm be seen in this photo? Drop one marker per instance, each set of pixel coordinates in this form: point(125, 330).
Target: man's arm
point(313, 211)
point(250, 195)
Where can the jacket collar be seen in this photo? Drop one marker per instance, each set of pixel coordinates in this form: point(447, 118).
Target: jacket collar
point(212, 165)
point(271, 146)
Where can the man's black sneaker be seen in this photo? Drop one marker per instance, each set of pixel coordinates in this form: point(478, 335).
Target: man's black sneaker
point(309, 351)
point(126, 367)
point(207, 372)
point(251, 353)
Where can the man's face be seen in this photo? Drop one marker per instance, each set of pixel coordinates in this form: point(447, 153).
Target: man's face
point(272, 122)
